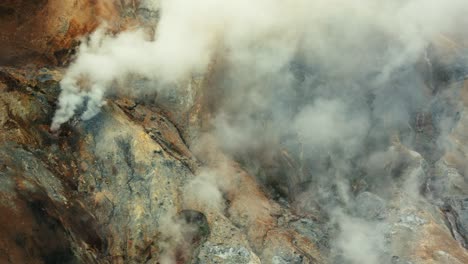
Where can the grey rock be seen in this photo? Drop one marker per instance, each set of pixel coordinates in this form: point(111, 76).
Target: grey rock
point(316, 232)
point(369, 206)
point(295, 259)
point(226, 254)
point(456, 211)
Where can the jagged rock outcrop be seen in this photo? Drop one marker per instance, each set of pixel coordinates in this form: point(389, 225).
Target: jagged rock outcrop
point(44, 31)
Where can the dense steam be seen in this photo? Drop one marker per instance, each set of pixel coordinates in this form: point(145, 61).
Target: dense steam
point(348, 38)
point(324, 94)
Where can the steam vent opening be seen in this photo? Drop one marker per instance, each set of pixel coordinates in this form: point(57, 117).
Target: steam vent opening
point(234, 131)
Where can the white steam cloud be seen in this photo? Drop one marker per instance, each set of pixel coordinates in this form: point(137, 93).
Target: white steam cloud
point(263, 33)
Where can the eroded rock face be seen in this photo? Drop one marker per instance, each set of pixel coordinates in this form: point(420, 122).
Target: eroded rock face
point(120, 177)
point(43, 31)
point(34, 228)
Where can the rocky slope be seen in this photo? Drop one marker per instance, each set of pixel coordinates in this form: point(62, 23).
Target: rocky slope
point(99, 192)
point(128, 186)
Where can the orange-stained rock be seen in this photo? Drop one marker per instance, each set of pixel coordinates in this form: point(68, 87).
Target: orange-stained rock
point(43, 31)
